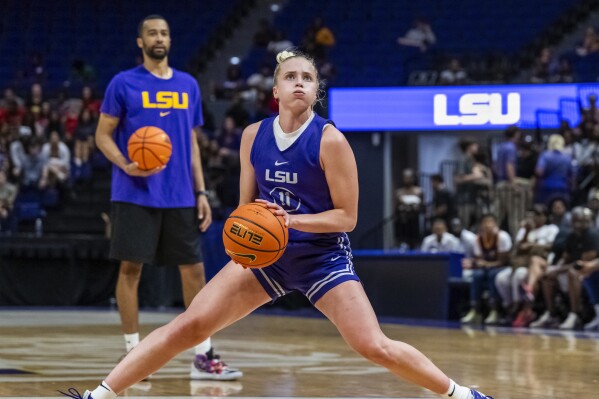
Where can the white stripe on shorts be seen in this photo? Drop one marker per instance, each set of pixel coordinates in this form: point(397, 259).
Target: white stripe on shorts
point(332, 276)
point(280, 291)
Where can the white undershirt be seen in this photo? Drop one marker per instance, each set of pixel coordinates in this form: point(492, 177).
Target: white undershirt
point(285, 140)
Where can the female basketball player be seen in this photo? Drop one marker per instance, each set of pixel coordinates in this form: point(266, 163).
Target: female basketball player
point(304, 169)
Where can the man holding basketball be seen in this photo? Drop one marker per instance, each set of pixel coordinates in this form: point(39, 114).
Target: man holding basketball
point(157, 214)
point(316, 193)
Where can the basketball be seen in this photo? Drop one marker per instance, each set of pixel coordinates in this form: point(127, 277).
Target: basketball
point(150, 147)
point(254, 236)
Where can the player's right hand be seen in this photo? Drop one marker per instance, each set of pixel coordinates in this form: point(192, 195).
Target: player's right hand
point(132, 169)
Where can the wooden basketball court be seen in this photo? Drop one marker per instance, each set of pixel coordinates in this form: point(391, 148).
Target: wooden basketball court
point(43, 351)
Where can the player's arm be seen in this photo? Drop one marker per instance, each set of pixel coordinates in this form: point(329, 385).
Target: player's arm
point(204, 211)
point(339, 165)
point(105, 142)
point(248, 190)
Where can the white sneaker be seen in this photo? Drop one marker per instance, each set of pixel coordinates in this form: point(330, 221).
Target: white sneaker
point(492, 318)
point(593, 325)
point(472, 317)
point(542, 321)
point(570, 323)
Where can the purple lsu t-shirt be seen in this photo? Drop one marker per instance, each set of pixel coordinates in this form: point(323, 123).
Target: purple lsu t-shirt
point(140, 99)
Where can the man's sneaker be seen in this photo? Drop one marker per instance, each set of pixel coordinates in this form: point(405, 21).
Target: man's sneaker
point(525, 316)
point(571, 322)
point(210, 367)
point(472, 317)
point(478, 395)
point(73, 393)
point(593, 325)
point(492, 318)
point(544, 321)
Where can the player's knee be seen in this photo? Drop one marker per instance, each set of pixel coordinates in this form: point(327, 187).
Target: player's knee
point(188, 331)
point(130, 270)
point(377, 351)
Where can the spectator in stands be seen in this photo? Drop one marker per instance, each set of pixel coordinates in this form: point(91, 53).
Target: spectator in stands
point(510, 203)
point(545, 67)
point(8, 194)
point(42, 118)
point(9, 97)
point(33, 167)
point(454, 74)
point(318, 39)
point(442, 206)
point(483, 185)
point(593, 204)
point(582, 244)
point(440, 240)
point(57, 157)
point(233, 83)
point(466, 237)
point(534, 239)
point(421, 35)
point(589, 271)
point(555, 172)
point(560, 216)
point(465, 181)
point(36, 97)
point(590, 43)
point(409, 201)
point(18, 151)
point(571, 146)
point(279, 42)
point(84, 136)
point(264, 34)
point(259, 81)
point(90, 102)
point(491, 256)
point(563, 73)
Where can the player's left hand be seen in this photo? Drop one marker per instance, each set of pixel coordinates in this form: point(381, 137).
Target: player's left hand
point(276, 209)
point(204, 213)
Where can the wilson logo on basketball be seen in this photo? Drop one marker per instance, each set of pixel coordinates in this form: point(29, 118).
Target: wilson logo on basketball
point(243, 232)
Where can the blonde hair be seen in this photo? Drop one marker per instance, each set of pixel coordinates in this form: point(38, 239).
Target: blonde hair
point(555, 142)
point(285, 55)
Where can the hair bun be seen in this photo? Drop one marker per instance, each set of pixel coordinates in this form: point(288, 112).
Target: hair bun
point(284, 55)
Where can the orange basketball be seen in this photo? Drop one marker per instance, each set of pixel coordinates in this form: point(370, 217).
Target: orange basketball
point(150, 147)
point(254, 236)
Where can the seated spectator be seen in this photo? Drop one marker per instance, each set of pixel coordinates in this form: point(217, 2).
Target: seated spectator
point(440, 240)
point(233, 83)
point(421, 35)
point(533, 242)
point(318, 39)
point(89, 102)
point(559, 214)
point(590, 43)
point(563, 73)
point(58, 162)
point(582, 244)
point(454, 74)
point(409, 199)
point(18, 150)
point(259, 81)
point(443, 206)
point(279, 42)
point(467, 241)
point(545, 67)
point(491, 256)
point(33, 167)
point(555, 171)
point(8, 194)
point(589, 271)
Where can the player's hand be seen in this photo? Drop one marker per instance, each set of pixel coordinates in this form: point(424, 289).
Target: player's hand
point(132, 169)
point(204, 213)
point(276, 209)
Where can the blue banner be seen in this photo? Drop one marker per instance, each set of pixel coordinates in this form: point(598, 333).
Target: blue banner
point(457, 107)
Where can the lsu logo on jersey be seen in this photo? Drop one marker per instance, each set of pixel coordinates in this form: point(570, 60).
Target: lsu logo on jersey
point(165, 100)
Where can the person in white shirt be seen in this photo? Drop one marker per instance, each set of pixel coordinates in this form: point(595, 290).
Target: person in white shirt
point(440, 240)
point(421, 36)
point(534, 239)
point(467, 242)
point(491, 255)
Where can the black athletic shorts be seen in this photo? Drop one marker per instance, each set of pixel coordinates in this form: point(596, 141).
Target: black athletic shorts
point(160, 236)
